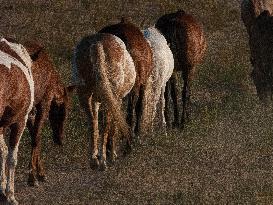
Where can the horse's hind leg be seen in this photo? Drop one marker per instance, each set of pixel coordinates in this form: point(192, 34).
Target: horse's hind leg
point(105, 140)
point(35, 132)
point(113, 138)
point(3, 180)
point(87, 104)
point(162, 108)
point(139, 110)
point(131, 110)
point(94, 110)
point(186, 97)
point(174, 95)
point(167, 104)
point(15, 135)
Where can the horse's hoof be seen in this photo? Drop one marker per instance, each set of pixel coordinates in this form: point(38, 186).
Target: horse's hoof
point(175, 125)
point(127, 152)
point(114, 157)
point(41, 178)
point(94, 164)
point(137, 140)
point(3, 198)
point(12, 201)
point(182, 126)
point(103, 166)
point(32, 181)
point(127, 149)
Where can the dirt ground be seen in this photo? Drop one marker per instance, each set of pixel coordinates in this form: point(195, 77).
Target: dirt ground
point(223, 156)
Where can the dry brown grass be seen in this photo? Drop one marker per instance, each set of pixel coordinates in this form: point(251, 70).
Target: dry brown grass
point(224, 156)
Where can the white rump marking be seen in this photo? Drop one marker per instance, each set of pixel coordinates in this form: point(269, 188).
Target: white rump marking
point(128, 67)
point(3, 158)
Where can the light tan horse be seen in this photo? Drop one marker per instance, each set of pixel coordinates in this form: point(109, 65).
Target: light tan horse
point(105, 73)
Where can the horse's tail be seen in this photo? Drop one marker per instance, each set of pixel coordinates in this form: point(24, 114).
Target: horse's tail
point(114, 106)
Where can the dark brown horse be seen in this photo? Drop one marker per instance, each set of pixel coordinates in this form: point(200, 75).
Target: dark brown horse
point(104, 73)
point(16, 100)
point(51, 101)
point(141, 52)
point(250, 9)
point(261, 47)
point(187, 42)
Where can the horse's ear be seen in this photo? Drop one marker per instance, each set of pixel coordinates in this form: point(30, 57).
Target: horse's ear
point(125, 19)
point(180, 12)
point(70, 89)
point(35, 56)
point(265, 13)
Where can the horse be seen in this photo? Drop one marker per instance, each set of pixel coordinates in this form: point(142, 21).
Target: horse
point(16, 101)
point(261, 41)
point(250, 9)
point(104, 73)
point(188, 45)
point(51, 100)
point(161, 73)
point(141, 53)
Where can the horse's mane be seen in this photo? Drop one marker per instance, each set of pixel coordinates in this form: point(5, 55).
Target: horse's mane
point(34, 49)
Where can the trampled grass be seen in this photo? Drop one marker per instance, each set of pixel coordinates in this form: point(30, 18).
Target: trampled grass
point(223, 156)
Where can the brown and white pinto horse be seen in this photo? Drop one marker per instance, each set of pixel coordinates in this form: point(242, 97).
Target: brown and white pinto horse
point(250, 9)
point(187, 42)
point(142, 55)
point(51, 100)
point(104, 73)
point(16, 100)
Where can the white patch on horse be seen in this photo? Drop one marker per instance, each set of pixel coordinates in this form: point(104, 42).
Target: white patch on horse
point(21, 52)
point(4, 152)
point(131, 69)
point(7, 60)
point(12, 162)
point(127, 62)
point(161, 73)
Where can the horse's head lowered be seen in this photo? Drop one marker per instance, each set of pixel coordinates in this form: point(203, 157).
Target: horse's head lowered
point(58, 112)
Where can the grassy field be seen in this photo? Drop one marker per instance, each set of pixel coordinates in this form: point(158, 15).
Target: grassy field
point(223, 156)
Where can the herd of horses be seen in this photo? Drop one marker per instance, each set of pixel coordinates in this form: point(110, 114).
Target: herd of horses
point(123, 76)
